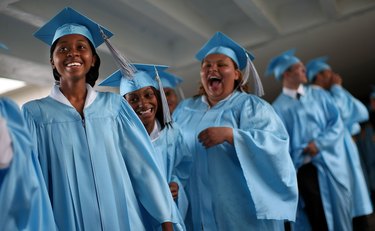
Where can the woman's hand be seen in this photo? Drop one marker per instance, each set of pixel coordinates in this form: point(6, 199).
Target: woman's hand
point(173, 186)
point(215, 135)
point(311, 149)
point(167, 226)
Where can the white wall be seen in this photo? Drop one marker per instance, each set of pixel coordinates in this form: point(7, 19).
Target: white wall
point(28, 93)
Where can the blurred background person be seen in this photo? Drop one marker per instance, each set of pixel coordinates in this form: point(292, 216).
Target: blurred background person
point(352, 112)
point(316, 147)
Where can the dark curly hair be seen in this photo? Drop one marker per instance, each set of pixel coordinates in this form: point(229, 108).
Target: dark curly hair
point(93, 73)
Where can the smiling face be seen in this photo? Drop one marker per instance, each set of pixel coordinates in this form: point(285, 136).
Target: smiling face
point(145, 104)
point(218, 74)
point(72, 57)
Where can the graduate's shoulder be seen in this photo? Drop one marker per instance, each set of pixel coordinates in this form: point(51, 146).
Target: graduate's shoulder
point(243, 99)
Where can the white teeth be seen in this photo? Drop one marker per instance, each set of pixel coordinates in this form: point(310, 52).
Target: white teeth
point(144, 112)
point(73, 64)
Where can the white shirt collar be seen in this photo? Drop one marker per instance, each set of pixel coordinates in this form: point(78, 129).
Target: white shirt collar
point(60, 97)
point(154, 135)
point(293, 93)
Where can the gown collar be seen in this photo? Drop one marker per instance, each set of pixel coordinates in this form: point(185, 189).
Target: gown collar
point(205, 100)
point(60, 97)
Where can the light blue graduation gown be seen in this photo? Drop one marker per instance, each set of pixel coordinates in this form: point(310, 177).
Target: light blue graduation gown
point(174, 161)
point(352, 112)
point(250, 185)
point(24, 201)
point(315, 118)
point(99, 169)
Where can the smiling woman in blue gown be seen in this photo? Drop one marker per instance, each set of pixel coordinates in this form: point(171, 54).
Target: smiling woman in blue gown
point(95, 154)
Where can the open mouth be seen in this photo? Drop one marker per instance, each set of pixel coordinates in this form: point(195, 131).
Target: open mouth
point(214, 81)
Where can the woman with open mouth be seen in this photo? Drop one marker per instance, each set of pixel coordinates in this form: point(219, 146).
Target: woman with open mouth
point(242, 174)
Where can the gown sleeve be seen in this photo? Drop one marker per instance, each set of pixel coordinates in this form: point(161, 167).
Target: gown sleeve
point(261, 143)
point(24, 199)
point(352, 110)
point(6, 151)
point(334, 126)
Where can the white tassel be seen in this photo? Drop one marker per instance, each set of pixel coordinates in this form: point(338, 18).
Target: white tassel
point(258, 87)
point(125, 66)
point(259, 91)
point(166, 113)
point(181, 92)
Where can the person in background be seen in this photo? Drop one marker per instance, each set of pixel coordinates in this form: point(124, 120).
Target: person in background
point(366, 145)
point(242, 176)
point(171, 155)
point(24, 200)
point(352, 112)
point(95, 155)
point(171, 87)
point(316, 147)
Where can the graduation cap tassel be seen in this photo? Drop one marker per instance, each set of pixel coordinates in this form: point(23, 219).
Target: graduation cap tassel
point(181, 92)
point(258, 87)
point(166, 113)
point(127, 69)
point(246, 73)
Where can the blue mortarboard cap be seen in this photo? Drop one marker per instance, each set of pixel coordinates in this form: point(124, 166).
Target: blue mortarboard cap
point(143, 77)
point(69, 21)
point(222, 44)
point(279, 64)
point(169, 80)
point(314, 66)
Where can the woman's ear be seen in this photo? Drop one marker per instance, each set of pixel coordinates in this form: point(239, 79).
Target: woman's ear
point(93, 60)
point(238, 73)
point(52, 63)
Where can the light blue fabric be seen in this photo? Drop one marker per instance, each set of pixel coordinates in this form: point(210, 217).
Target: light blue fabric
point(68, 21)
point(279, 64)
point(250, 185)
point(24, 202)
point(100, 169)
point(315, 118)
point(220, 43)
point(315, 66)
point(169, 80)
point(352, 112)
point(145, 76)
point(174, 161)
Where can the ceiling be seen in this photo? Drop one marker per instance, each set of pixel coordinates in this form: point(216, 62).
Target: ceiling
point(170, 32)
